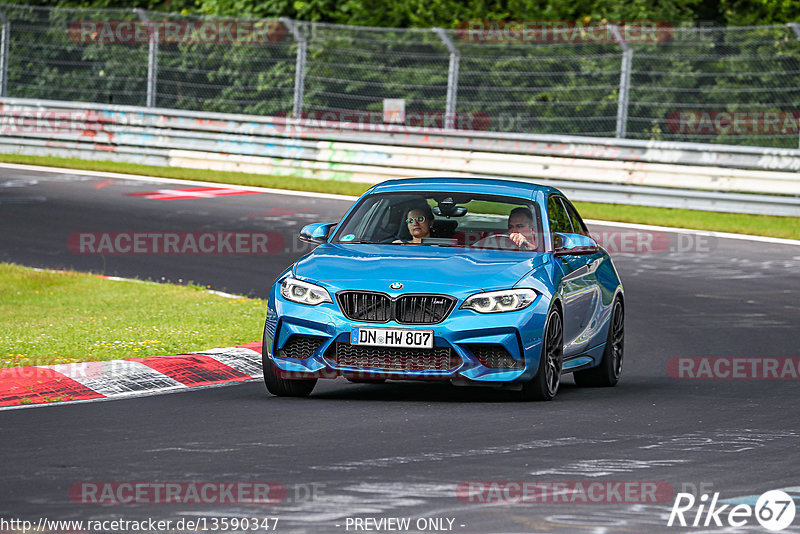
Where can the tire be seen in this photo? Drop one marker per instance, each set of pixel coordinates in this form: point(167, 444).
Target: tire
point(607, 373)
point(544, 386)
point(282, 387)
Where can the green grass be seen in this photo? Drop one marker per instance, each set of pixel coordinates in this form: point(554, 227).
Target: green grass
point(65, 317)
point(766, 225)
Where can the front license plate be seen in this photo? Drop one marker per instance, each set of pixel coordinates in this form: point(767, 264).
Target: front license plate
point(392, 337)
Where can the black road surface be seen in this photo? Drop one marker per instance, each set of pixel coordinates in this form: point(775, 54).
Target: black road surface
point(402, 450)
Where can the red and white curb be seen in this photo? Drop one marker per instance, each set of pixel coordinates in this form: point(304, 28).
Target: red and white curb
point(26, 386)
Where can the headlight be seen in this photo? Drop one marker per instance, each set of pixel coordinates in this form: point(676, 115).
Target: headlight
point(303, 292)
point(500, 301)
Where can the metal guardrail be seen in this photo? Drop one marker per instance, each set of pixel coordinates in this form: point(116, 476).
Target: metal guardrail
point(665, 174)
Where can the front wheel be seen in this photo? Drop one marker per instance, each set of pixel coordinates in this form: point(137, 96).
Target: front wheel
point(282, 387)
point(607, 373)
point(544, 385)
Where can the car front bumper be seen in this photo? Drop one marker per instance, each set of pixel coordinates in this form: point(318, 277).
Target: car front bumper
point(464, 332)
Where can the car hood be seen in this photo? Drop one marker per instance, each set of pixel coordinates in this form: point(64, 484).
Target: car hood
point(419, 268)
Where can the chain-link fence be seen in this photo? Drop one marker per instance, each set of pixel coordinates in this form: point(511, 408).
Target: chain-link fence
point(702, 84)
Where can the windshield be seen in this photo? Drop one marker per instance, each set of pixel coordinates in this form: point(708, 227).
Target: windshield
point(444, 220)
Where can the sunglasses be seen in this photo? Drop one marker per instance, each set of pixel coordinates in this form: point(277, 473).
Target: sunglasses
point(417, 219)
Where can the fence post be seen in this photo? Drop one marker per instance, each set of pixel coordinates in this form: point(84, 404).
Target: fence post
point(5, 35)
point(452, 79)
point(624, 81)
point(795, 27)
point(300, 66)
point(152, 57)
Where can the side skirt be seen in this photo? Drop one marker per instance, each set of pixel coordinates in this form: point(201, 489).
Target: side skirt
point(584, 360)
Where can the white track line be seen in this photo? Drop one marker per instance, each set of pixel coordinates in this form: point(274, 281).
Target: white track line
point(311, 194)
point(138, 280)
point(723, 235)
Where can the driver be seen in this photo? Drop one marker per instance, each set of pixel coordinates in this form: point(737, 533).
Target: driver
point(420, 223)
point(520, 228)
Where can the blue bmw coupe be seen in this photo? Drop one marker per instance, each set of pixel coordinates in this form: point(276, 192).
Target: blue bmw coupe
point(475, 281)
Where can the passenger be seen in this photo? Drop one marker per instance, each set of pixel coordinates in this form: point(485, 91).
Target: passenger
point(520, 228)
point(420, 223)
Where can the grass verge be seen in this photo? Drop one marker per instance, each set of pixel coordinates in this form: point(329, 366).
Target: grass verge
point(735, 223)
point(765, 225)
point(66, 317)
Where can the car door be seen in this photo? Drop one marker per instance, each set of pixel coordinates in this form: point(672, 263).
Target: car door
point(580, 287)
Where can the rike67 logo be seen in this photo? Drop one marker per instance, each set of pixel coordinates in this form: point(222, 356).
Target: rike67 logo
point(774, 510)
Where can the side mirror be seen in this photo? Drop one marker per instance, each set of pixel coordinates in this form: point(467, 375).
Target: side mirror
point(316, 233)
point(573, 244)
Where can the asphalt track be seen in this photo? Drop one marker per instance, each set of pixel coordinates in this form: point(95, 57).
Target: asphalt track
point(402, 449)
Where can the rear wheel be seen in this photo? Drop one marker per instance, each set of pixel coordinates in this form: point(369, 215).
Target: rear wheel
point(544, 385)
point(278, 386)
point(607, 373)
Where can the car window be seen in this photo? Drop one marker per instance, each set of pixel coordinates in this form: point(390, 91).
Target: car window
point(371, 213)
point(577, 223)
point(557, 215)
point(458, 220)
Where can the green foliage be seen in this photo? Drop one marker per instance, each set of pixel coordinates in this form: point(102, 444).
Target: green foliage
point(560, 88)
point(757, 12)
point(449, 13)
